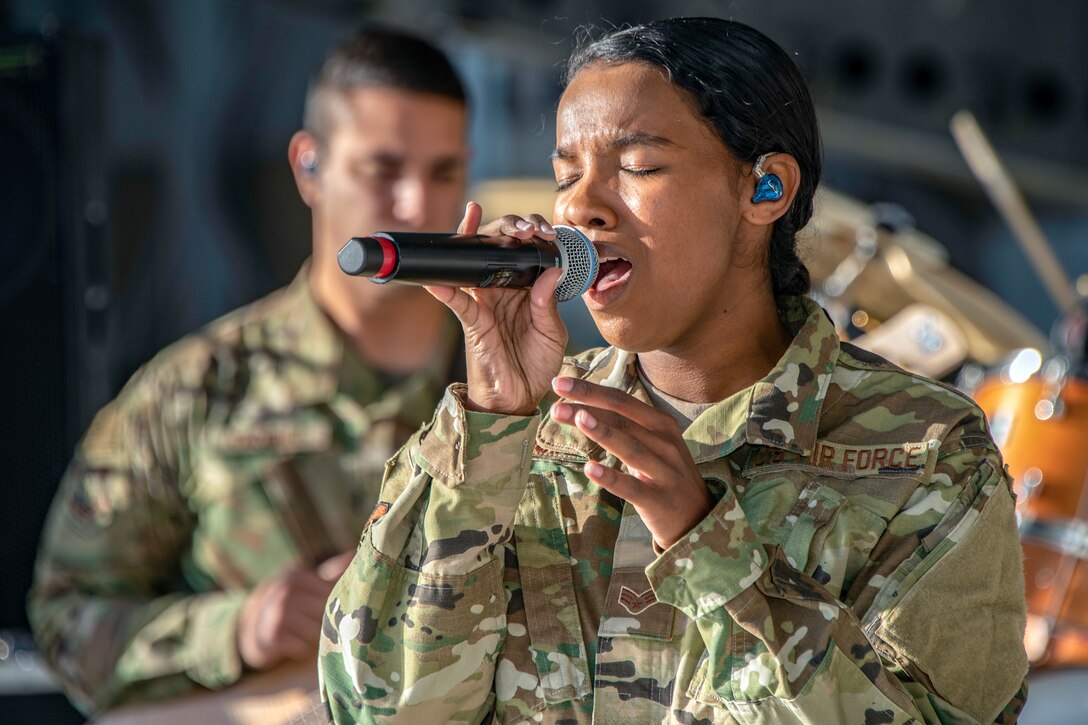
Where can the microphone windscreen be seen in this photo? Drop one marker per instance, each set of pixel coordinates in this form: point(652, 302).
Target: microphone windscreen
point(580, 263)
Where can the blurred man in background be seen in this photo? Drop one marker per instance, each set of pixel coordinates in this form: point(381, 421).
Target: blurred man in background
point(211, 506)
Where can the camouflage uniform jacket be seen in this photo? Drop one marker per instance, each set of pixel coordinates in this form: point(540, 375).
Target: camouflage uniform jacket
point(861, 565)
point(250, 446)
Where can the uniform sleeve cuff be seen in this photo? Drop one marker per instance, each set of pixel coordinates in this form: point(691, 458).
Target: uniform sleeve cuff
point(453, 445)
point(215, 661)
point(715, 562)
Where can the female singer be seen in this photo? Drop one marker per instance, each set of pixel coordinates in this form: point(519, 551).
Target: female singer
point(728, 515)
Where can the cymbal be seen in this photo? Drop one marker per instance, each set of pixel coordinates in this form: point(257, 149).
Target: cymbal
point(909, 267)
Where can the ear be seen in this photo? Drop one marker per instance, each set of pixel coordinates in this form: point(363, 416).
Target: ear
point(302, 155)
point(764, 213)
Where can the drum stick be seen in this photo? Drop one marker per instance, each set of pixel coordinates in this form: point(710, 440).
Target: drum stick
point(1003, 192)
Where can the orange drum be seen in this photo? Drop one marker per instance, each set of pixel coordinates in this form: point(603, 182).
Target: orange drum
point(1041, 427)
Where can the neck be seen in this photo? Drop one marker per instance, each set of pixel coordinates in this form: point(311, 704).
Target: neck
point(394, 328)
point(749, 340)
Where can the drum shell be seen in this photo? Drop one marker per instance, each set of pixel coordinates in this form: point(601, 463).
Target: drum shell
point(1041, 567)
point(1048, 460)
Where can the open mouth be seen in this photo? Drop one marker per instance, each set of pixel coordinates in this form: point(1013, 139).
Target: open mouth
point(614, 271)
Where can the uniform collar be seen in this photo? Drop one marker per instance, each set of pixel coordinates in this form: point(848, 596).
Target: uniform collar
point(330, 364)
point(780, 410)
point(784, 407)
point(308, 336)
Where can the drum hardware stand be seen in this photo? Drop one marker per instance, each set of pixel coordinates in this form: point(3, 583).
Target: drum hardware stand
point(970, 378)
point(1071, 539)
point(838, 283)
point(1031, 480)
point(848, 270)
point(1055, 375)
point(889, 218)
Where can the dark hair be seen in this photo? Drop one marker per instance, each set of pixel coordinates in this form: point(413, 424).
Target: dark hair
point(383, 58)
point(749, 91)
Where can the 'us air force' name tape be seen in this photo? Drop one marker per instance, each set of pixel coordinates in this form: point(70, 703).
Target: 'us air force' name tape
point(838, 458)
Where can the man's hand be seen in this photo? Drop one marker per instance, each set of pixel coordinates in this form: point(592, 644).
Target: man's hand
point(281, 619)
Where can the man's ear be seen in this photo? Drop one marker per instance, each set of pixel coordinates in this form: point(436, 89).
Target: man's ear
point(302, 155)
point(768, 211)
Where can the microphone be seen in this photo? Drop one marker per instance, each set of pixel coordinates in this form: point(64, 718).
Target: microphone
point(437, 258)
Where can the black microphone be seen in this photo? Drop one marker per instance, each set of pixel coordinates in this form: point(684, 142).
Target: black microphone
point(436, 258)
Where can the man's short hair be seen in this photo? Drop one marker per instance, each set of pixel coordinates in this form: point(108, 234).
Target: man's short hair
point(378, 58)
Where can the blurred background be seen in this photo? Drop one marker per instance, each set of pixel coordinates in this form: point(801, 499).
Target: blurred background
point(146, 188)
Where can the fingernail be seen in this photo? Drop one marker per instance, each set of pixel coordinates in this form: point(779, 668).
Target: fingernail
point(594, 469)
point(562, 385)
point(560, 411)
point(587, 420)
point(523, 225)
point(547, 228)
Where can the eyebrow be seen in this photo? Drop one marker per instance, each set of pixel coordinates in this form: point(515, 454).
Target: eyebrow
point(625, 140)
point(381, 157)
point(449, 163)
point(385, 158)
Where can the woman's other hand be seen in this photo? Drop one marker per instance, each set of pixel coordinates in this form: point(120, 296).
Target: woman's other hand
point(661, 480)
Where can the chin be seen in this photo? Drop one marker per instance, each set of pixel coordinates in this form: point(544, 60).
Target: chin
point(623, 333)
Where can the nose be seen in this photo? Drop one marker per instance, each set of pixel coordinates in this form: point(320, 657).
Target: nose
point(410, 202)
point(588, 203)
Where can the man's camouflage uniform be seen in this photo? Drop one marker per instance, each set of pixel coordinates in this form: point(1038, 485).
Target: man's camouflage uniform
point(249, 447)
point(861, 565)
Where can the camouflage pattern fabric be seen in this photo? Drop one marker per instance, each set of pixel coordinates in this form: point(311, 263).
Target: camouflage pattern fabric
point(861, 565)
point(253, 445)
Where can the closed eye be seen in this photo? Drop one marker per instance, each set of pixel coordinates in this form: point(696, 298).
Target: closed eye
point(564, 184)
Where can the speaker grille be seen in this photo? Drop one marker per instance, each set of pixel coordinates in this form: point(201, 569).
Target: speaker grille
point(579, 263)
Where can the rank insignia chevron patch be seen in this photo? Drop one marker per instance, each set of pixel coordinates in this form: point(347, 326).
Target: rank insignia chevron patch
point(636, 603)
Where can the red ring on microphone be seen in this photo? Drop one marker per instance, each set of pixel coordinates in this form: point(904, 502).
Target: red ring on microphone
point(389, 257)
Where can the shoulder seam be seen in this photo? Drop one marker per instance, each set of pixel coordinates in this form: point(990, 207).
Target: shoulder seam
point(891, 368)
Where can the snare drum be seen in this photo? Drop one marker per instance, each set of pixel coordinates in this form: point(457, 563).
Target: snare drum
point(1041, 426)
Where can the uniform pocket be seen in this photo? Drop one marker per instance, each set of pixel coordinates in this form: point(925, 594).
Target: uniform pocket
point(829, 526)
point(864, 703)
point(829, 536)
point(843, 547)
point(825, 528)
point(555, 634)
point(448, 607)
point(808, 524)
point(744, 673)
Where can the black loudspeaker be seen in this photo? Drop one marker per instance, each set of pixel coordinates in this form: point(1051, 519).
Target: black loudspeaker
point(54, 282)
